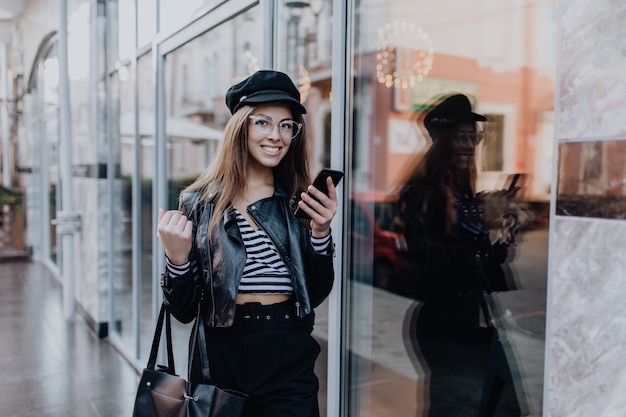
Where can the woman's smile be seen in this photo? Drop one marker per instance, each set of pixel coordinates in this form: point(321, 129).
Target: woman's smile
point(272, 149)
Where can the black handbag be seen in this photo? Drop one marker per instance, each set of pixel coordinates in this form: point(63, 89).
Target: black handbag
point(162, 393)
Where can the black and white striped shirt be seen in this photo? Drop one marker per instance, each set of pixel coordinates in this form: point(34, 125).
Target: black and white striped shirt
point(264, 272)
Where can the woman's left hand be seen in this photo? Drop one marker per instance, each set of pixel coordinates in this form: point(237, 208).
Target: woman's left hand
point(321, 211)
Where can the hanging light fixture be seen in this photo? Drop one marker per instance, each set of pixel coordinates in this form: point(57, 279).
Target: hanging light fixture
point(251, 64)
point(413, 44)
point(304, 83)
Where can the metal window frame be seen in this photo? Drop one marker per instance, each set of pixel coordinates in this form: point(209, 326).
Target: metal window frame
point(162, 45)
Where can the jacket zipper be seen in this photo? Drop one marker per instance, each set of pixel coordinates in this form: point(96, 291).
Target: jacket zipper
point(212, 321)
point(209, 272)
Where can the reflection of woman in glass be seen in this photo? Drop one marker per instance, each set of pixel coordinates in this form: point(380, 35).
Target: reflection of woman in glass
point(450, 260)
point(269, 269)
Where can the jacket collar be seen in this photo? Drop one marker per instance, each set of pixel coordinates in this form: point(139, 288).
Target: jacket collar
point(279, 192)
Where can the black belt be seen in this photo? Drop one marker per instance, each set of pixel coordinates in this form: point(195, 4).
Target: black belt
point(271, 316)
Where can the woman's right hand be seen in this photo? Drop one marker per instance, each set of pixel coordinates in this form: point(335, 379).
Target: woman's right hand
point(174, 231)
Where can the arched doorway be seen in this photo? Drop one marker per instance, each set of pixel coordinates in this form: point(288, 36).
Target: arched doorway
point(41, 150)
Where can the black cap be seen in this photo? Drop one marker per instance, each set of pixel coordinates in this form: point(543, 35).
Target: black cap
point(264, 86)
point(453, 110)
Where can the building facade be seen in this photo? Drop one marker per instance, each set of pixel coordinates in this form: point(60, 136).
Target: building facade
point(112, 106)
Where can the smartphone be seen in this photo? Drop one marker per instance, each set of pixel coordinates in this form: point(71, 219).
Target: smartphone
point(511, 181)
point(320, 184)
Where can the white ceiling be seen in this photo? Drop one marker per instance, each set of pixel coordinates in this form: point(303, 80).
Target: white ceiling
point(9, 10)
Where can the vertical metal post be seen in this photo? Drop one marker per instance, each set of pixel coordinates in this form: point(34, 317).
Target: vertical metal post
point(160, 183)
point(68, 222)
point(43, 155)
point(108, 59)
point(270, 17)
point(342, 41)
point(4, 117)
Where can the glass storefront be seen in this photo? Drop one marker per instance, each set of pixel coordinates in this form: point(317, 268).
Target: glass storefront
point(387, 348)
point(123, 145)
point(420, 340)
point(132, 229)
point(42, 152)
point(145, 146)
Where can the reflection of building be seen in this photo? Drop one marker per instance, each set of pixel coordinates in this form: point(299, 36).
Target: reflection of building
point(513, 130)
point(146, 106)
point(197, 142)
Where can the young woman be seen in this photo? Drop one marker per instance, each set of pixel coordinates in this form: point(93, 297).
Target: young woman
point(269, 270)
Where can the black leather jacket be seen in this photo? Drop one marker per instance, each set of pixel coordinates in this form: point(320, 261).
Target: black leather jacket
point(312, 273)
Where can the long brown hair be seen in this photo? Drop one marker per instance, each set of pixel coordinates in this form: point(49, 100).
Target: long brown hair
point(225, 178)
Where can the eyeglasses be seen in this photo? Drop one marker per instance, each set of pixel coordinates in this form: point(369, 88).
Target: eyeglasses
point(263, 125)
point(473, 136)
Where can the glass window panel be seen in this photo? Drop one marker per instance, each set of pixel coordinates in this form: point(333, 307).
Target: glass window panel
point(303, 38)
point(123, 135)
point(197, 76)
point(146, 21)
point(174, 14)
point(49, 84)
point(304, 52)
point(125, 28)
point(592, 179)
point(419, 342)
point(492, 146)
point(146, 102)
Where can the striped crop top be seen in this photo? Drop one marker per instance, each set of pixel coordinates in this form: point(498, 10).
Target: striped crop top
point(264, 271)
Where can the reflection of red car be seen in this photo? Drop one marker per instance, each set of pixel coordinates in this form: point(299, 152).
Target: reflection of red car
point(375, 248)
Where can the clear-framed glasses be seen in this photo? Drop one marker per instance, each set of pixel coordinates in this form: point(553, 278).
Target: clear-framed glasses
point(264, 125)
point(476, 136)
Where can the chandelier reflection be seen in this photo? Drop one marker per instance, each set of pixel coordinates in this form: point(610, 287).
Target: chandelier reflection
point(251, 62)
point(251, 65)
point(304, 83)
point(404, 55)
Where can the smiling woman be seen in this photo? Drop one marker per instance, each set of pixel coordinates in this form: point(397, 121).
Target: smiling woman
point(257, 291)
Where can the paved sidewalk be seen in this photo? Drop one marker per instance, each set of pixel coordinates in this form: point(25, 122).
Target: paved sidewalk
point(49, 366)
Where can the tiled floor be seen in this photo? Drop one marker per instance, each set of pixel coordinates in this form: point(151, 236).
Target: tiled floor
point(49, 366)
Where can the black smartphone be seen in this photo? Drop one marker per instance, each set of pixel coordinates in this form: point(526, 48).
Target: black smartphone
point(320, 184)
point(511, 181)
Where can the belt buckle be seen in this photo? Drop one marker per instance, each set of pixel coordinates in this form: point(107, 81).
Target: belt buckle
point(252, 316)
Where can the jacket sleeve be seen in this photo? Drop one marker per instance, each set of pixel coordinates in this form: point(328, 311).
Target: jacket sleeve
point(320, 272)
point(182, 293)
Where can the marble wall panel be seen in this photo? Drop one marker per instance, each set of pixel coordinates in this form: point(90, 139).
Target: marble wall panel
point(587, 319)
point(592, 61)
point(587, 285)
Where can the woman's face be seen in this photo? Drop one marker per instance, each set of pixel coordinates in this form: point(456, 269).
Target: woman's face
point(464, 145)
point(268, 135)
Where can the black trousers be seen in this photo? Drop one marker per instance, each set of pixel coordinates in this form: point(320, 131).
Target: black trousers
point(270, 355)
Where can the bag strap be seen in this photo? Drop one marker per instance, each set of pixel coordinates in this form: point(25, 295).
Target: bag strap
point(164, 316)
point(199, 332)
point(199, 340)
